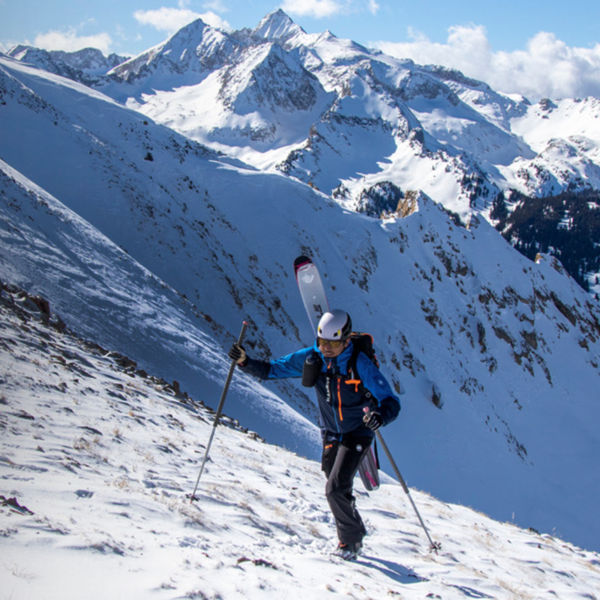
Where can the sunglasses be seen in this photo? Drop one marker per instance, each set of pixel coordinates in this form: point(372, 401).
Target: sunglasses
point(330, 343)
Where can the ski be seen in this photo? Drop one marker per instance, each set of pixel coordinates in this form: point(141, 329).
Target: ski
point(315, 303)
point(311, 289)
point(368, 469)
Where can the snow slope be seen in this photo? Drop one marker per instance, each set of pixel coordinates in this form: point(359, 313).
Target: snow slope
point(158, 247)
point(97, 461)
point(119, 302)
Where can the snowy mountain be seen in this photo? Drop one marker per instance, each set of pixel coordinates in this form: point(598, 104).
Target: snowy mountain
point(348, 120)
point(87, 66)
point(382, 119)
point(362, 127)
point(158, 247)
point(99, 460)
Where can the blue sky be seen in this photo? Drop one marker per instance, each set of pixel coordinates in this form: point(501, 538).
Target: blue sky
point(533, 47)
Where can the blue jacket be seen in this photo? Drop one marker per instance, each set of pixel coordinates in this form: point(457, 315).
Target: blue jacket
point(341, 398)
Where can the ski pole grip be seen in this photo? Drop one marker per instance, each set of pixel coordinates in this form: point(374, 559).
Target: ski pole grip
point(231, 370)
point(367, 414)
point(242, 332)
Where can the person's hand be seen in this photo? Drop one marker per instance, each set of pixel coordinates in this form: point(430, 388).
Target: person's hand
point(373, 420)
point(238, 354)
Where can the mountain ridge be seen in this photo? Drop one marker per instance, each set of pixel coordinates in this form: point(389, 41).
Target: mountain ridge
point(425, 127)
point(459, 314)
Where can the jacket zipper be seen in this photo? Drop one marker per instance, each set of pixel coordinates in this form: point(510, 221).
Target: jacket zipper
point(331, 399)
point(339, 395)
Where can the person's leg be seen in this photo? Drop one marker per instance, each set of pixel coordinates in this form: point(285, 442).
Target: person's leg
point(342, 465)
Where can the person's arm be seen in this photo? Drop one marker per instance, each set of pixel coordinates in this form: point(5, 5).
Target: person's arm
point(257, 368)
point(387, 403)
point(290, 365)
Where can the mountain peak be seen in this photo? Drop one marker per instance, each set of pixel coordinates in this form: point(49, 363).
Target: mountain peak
point(190, 32)
point(193, 49)
point(277, 26)
point(19, 51)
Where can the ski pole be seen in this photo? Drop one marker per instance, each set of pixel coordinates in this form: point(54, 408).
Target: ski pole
point(435, 546)
point(219, 411)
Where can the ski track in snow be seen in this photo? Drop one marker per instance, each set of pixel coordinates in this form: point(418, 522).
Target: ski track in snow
point(97, 462)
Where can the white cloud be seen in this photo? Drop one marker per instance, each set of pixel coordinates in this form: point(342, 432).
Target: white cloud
point(373, 7)
point(319, 9)
point(216, 5)
point(546, 68)
point(70, 41)
point(313, 8)
point(173, 19)
point(214, 20)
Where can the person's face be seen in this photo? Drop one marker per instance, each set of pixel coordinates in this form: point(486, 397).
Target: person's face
point(332, 348)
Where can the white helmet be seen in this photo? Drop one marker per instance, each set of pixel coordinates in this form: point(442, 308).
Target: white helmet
point(334, 325)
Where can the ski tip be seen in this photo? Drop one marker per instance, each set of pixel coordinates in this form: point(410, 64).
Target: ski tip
point(301, 260)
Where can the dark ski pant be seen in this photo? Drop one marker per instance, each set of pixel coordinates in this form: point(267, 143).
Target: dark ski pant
point(340, 462)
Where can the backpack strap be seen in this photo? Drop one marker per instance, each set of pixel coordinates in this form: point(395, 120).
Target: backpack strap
point(353, 378)
point(352, 374)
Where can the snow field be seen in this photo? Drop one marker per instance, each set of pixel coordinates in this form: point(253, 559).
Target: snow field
point(97, 463)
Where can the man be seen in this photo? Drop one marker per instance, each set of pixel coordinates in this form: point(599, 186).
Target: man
point(352, 405)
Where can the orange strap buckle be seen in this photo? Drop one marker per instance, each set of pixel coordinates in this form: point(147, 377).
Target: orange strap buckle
point(354, 382)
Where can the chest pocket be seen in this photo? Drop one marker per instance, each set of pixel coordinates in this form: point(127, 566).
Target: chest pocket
point(349, 395)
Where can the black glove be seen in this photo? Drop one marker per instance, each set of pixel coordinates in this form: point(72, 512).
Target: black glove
point(238, 354)
point(373, 420)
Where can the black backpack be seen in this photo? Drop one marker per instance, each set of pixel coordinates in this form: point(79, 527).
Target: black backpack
point(361, 342)
point(369, 465)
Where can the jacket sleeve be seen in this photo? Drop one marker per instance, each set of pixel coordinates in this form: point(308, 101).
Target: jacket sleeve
point(290, 365)
point(256, 368)
point(389, 408)
point(387, 402)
